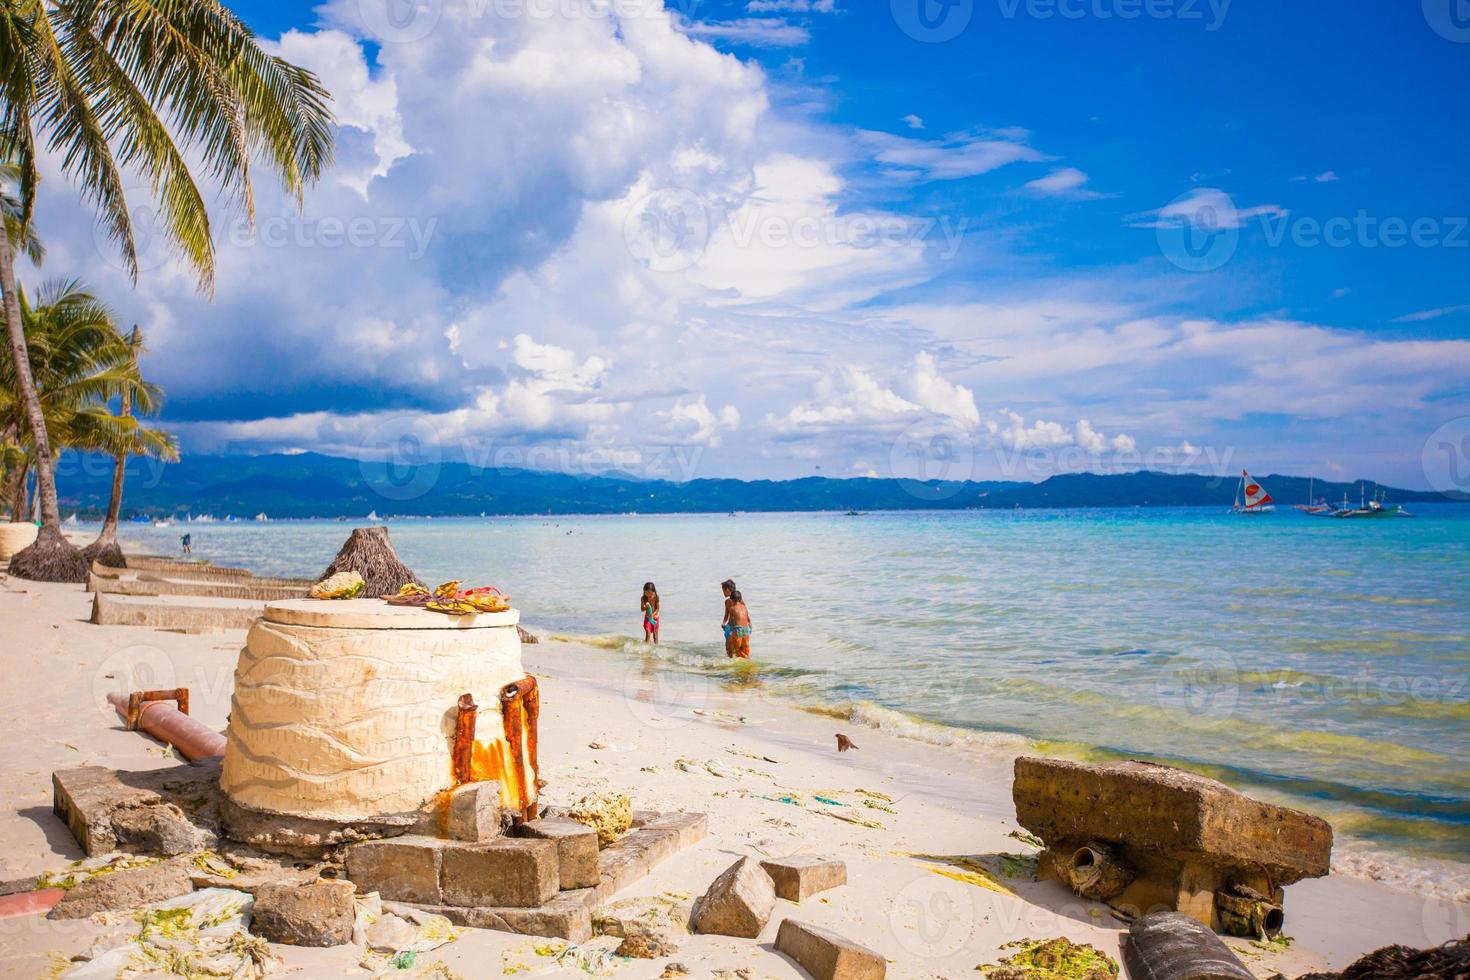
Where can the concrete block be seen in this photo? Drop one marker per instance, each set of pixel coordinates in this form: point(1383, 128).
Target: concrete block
point(512, 872)
point(108, 810)
point(185, 613)
point(475, 814)
point(320, 913)
point(800, 877)
point(738, 903)
point(400, 869)
point(567, 916)
point(828, 956)
point(576, 847)
point(692, 828)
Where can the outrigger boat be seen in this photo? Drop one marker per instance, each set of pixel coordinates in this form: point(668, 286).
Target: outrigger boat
point(1313, 506)
point(1251, 497)
point(1370, 508)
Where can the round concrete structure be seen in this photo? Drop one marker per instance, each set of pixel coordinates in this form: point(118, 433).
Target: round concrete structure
point(345, 711)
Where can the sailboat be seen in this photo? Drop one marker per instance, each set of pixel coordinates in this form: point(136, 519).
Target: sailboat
point(1313, 506)
point(1251, 497)
point(374, 516)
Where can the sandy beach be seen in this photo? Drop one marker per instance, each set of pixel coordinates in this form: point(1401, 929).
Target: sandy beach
point(755, 765)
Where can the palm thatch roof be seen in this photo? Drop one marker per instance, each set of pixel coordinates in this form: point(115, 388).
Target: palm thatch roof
point(369, 553)
point(51, 558)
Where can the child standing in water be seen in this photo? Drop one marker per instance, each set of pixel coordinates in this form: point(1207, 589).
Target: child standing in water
point(738, 644)
point(649, 605)
point(728, 588)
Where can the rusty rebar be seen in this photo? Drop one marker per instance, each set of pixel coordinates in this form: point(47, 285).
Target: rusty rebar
point(179, 695)
point(464, 739)
point(520, 703)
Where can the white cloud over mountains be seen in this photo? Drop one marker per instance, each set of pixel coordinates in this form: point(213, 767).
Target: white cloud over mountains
point(595, 233)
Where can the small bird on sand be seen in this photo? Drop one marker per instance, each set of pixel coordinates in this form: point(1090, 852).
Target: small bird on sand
point(844, 743)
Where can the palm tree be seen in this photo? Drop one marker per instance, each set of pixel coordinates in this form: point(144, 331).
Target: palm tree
point(134, 441)
point(81, 364)
point(129, 86)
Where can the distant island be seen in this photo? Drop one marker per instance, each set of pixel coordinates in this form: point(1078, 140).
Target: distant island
point(312, 485)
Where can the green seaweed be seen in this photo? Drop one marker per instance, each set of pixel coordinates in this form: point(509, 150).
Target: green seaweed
point(1026, 838)
point(1051, 959)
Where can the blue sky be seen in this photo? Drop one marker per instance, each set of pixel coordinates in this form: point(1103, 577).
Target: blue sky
point(771, 237)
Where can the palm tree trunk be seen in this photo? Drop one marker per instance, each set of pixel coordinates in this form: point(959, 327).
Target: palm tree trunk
point(105, 549)
point(52, 558)
point(30, 397)
point(15, 493)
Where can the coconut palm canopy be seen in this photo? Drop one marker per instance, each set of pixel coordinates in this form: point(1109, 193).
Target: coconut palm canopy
point(118, 89)
point(81, 364)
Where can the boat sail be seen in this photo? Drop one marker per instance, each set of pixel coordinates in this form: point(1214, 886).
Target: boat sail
point(1313, 506)
point(1251, 497)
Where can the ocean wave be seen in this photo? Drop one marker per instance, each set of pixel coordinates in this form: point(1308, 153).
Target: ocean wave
point(901, 725)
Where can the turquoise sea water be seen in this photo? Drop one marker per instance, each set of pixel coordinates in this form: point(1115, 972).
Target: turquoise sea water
point(1322, 662)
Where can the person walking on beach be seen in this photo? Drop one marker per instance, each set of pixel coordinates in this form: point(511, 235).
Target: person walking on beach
point(187, 541)
point(738, 645)
point(649, 604)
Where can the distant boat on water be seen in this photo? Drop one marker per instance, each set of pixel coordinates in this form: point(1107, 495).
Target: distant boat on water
point(261, 517)
point(1313, 506)
point(72, 521)
point(374, 516)
point(1370, 508)
point(1251, 497)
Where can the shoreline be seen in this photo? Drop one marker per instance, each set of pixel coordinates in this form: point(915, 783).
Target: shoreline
point(946, 803)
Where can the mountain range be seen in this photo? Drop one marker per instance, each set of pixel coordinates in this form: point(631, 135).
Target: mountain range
point(312, 485)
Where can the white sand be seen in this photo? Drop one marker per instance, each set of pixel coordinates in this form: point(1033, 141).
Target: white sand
point(950, 801)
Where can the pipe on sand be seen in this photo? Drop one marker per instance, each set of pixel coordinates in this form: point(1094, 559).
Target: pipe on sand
point(168, 724)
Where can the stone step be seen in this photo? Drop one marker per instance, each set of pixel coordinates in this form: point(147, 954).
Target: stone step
point(262, 590)
point(185, 613)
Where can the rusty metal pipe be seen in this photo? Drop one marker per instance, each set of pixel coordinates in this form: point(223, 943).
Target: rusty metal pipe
point(170, 725)
point(464, 739)
point(521, 706)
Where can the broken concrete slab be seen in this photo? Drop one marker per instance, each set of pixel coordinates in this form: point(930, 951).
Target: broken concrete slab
point(128, 889)
point(661, 919)
point(513, 873)
point(1170, 811)
point(801, 876)
point(738, 903)
point(184, 613)
point(828, 956)
point(106, 809)
point(1142, 836)
point(474, 813)
point(320, 913)
point(576, 847)
point(400, 869)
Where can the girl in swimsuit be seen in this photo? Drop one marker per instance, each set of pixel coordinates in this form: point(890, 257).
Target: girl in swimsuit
point(649, 605)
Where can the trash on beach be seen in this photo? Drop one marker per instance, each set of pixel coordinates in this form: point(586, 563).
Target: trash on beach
point(1051, 959)
point(103, 864)
point(612, 746)
point(711, 766)
point(204, 933)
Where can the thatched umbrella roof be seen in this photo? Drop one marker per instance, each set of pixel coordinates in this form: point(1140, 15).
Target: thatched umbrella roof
point(369, 553)
point(51, 558)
